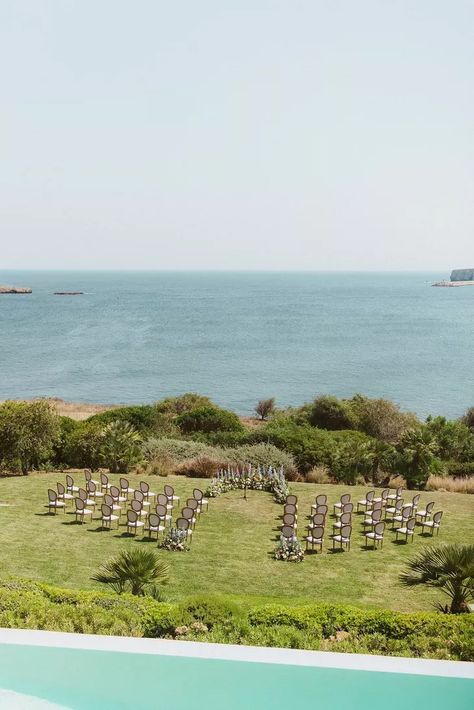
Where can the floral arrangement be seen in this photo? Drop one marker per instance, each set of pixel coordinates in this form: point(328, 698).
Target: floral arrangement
point(289, 550)
point(175, 540)
point(261, 478)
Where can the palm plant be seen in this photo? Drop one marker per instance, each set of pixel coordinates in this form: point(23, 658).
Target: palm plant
point(133, 570)
point(121, 446)
point(447, 567)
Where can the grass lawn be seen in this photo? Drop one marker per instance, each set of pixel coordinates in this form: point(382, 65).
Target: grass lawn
point(232, 547)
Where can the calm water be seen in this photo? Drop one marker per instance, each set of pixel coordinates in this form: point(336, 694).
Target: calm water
point(137, 337)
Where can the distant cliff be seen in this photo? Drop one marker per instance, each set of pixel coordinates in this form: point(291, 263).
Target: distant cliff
point(462, 275)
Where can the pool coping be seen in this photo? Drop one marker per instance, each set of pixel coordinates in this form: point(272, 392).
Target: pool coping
point(250, 654)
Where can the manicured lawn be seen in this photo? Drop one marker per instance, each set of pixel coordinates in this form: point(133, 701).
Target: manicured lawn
point(232, 548)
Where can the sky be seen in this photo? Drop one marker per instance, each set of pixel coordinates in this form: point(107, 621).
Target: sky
point(244, 134)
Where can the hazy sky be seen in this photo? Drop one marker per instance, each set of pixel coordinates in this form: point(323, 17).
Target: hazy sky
point(246, 134)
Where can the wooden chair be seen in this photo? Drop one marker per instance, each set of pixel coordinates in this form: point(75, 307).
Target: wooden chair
point(104, 483)
point(133, 522)
point(70, 487)
point(89, 479)
point(345, 519)
point(108, 516)
point(425, 514)
point(54, 503)
point(154, 525)
point(315, 537)
point(408, 529)
point(162, 512)
point(81, 510)
point(343, 538)
point(63, 494)
point(366, 502)
point(125, 489)
point(345, 498)
point(433, 524)
point(170, 494)
point(376, 535)
point(199, 496)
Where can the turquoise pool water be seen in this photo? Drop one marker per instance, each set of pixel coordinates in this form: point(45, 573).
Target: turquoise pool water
point(89, 679)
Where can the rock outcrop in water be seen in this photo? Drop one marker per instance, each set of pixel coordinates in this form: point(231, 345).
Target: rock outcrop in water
point(462, 275)
point(15, 289)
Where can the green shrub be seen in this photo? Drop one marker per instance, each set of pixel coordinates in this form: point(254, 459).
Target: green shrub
point(209, 419)
point(210, 610)
point(329, 412)
point(177, 449)
point(459, 470)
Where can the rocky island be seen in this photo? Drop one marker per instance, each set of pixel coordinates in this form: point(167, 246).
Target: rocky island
point(15, 289)
point(459, 277)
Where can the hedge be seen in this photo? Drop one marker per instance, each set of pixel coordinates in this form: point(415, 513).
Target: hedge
point(333, 627)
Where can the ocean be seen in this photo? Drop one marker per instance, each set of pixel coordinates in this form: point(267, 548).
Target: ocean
point(237, 337)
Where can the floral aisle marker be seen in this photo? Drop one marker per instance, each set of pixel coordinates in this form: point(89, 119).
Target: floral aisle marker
point(289, 550)
point(175, 540)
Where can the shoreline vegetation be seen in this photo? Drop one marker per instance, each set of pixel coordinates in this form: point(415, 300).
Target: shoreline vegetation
point(352, 441)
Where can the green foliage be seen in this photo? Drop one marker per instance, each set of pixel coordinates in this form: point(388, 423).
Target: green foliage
point(328, 412)
point(381, 418)
point(417, 457)
point(456, 469)
point(121, 446)
point(311, 626)
point(133, 570)
point(455, 441)
point(148, 419)
point(209, 419)
point(177, 449)
point(447, 567)
point(468, 419)
point(82, 446)
point(28, 432)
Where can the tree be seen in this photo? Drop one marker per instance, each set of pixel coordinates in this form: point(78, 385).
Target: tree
point(265, 408)
point(121, 446)
point(468, 418)
point(381, 418)
point(329, 412)
point(455, 440)
point(28, 431)
point(134, 571)
point(417, 457)
point(447, 567)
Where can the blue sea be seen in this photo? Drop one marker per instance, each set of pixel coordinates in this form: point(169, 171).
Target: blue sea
point(238, 337)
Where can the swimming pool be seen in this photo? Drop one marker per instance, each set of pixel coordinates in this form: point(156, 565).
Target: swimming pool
point(88, 672)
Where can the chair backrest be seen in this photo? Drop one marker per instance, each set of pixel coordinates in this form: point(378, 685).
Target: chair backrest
point(161, 510)
point(346, 531)
point(399, 491)
point(429, 507)
point(88, 475)
point(169, 491)
point(52, 495)
point(144, 487)
point(289, 519)
point(289, 508)
point(379, 528)
point(369, 496)
point(318, 519)
point(108, 500)
point(69, 481)
point(61, 488)
point(182, 524)
point(288, 532)
point(104, 479)
point(345, 519)
point(198, 494)
point(138, 495)
point(114, 492)
point(318, 532)
point(376, 506)
point(132, 516)
point(106, 510)
point(398, 504)
point(136, 505)
point(80, 504)
point(91, 487)
point(377, 515)
point(124, 484)
point(406, 512)
point(153, 520)
point(162, 499)
point(416, 500)
point(291, 499)
point(345, 498)
point(321, 499)
point(82, 494)
point(187, 513)
point(322, 508)
point(192, 503)
point(385, 493)
point(347, 507)
point(437, 516)
point(410, 525)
